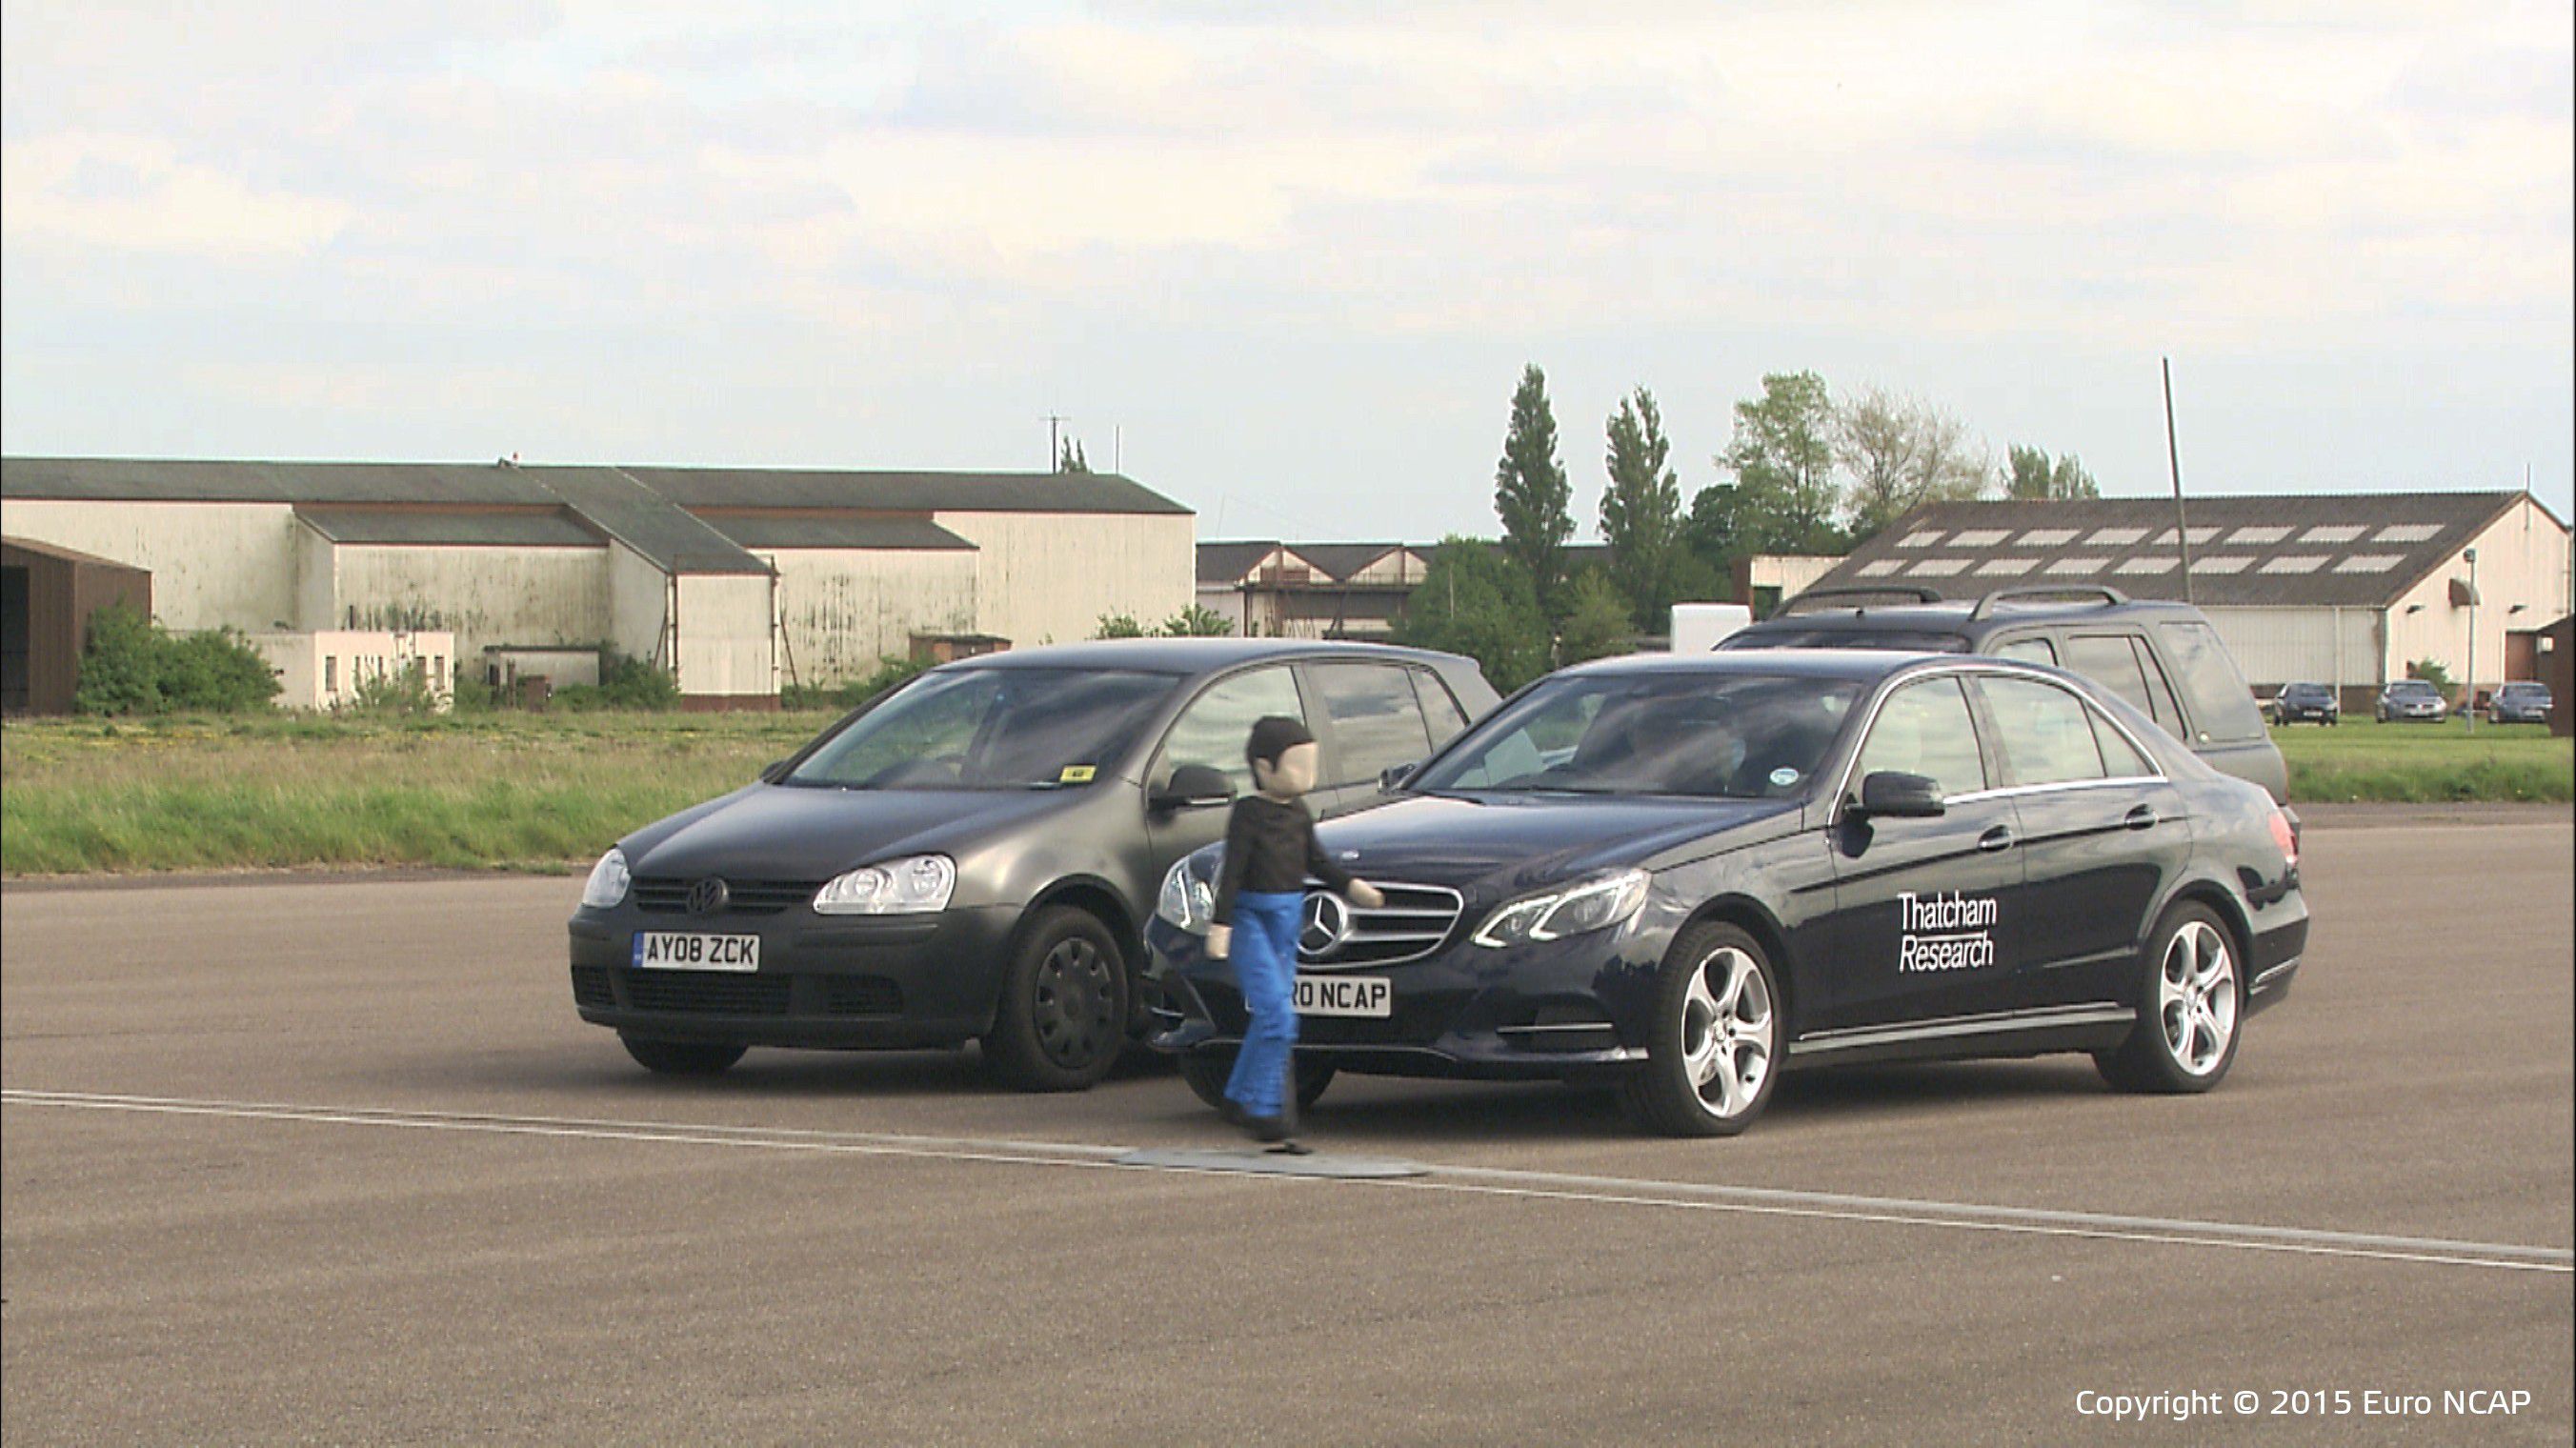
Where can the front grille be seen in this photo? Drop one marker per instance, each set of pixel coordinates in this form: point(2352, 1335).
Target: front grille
point(705, 992)
point(861, 995)
point(590, 987)
point(1413, 923)
point(665, 895)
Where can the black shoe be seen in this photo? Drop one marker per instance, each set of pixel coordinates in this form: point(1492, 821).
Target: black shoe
point(1292, 1147)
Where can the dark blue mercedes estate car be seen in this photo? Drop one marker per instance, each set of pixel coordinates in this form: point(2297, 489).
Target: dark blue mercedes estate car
point(1686, 874)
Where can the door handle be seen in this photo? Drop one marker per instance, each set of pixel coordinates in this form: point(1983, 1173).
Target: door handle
point(1998, 838)
point(2141, 818)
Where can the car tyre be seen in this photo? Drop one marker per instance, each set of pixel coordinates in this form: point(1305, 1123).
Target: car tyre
point(1716, 1038)
point(2191, 1008)
point(680, 1058)
point(1208, 1071)
point(1062, 1020)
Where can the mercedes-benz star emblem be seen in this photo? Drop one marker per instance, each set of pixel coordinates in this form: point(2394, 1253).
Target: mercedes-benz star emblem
point(709, 896)
point(1326, 925)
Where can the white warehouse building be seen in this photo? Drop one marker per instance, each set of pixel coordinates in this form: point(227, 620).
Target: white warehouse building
point(737, 579)
point(2340, 589)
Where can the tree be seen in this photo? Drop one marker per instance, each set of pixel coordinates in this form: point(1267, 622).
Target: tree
point(1198, 621)
point(1641, 509)
point(1476, 600)
point(1119, 626)
point(1597, 621)
point(1902, 453)
point(1069, 458)
point(1531, 493)
point(1782, 456)
point(2032, 476)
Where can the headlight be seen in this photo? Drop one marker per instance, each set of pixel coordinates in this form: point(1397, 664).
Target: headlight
point(1592, 905)
point(915, 885)
point(1187, 901)
point(608, 881)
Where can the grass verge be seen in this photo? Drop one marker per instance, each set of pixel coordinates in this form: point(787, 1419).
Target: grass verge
point(2363, 760)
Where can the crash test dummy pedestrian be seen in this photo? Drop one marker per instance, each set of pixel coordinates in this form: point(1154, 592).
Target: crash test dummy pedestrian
point(1270, 851)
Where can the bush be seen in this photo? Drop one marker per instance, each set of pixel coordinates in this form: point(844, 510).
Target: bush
point(1119, 626)
point(2431, 672)
point(403, 692)
point(851, 694)
point(1198, 622)
point(132, 665)
point(625, 682)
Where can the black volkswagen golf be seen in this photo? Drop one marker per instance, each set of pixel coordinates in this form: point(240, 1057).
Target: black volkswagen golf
point(1688, 874)
point(973, 855)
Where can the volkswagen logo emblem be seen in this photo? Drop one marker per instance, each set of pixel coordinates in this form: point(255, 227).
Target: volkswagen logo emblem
point(1326, 924)
point(709, 896)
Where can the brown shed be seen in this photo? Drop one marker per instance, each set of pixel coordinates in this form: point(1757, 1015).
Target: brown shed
point(47, 595)
point(2553, 659)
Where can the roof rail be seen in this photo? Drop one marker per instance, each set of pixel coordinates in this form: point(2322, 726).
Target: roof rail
point(2105, 597)
point(1914, 591)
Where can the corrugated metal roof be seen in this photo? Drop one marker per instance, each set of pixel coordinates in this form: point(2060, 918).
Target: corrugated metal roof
point(848, 530)
point(400, 526)
point(645, 521)
point(1231, 562)
point(185, 481)
point(906, 492)
point(2354, 550)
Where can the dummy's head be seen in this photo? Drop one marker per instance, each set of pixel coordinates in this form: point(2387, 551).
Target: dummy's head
point(1283, 757)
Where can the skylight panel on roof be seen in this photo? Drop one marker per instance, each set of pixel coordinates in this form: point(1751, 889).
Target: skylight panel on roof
point(2114, 537)
point(1921, 538)
point(2268, 533)
point(2408, 533)
point(2226, 563)
point(2198, 535)
point(1880, 568)
point(2048, 537)
point(2370, 563)
point(2146, 565)
point(2333, 533)
point(2077, 565)
point(2294, 563)
point(2006, 567)
point(1979, 537)
point(1938, 568)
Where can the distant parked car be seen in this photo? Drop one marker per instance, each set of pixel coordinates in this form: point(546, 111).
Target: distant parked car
point(2412, 699)
point(2163, 658)
point(2307, 703)
point(2520, 703)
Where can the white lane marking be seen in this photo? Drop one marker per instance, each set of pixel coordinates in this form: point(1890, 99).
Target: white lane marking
point(1477, 1181)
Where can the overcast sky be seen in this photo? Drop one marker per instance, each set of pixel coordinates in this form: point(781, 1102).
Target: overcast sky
point(1294, 253)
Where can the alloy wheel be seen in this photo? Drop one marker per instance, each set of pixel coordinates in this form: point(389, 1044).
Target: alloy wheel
point(1727, 1031)
point(2196, 997)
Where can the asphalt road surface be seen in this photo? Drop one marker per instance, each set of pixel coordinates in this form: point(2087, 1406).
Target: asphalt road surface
point(334, 1162)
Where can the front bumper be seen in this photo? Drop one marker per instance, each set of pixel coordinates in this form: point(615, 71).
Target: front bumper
point(842, 983)
point(1559, 1010)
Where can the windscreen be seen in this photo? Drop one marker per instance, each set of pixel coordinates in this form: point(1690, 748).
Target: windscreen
point(1727, 736)
point(2405, 687)
point(991, 728)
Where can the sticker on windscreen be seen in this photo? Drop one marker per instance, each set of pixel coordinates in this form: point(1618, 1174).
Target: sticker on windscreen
point(1077, 774)
point(1783, 777)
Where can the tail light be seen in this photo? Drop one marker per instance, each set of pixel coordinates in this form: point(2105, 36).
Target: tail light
point(2285, 833)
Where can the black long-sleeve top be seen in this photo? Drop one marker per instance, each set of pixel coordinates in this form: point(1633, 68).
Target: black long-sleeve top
point(1270, 849)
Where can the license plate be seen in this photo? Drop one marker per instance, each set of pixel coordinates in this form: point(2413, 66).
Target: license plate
point(1345, 995)
point(657, 951)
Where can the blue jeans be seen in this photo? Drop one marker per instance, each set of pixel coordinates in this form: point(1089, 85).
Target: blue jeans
point(1265, 966)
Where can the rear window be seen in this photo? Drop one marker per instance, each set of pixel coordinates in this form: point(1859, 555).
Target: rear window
point(2222, 708)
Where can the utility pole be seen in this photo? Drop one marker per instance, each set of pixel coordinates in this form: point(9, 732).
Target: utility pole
point(1055, 457)
point(2469, 697)
point(2173, 457)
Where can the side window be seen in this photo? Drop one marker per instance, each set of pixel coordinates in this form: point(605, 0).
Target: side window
point(2108, 660)
point(1212, 730)
point(2032, 650)
point(2166, 711)
point(1439, 710)
point(2118, 755)
point(2221, 706)
point(2044, 733)
point(1377, 722)
point(1926, 729)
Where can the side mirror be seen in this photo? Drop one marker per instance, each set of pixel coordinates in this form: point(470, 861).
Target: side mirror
point(1193, 786)
point(1898, 795)
point(774, 771)
point(1394, 775)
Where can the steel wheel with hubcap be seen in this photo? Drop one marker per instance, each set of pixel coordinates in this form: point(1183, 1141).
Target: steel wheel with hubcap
point(1062, 1019)
point(1712, 1057)
point(2191, 998)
